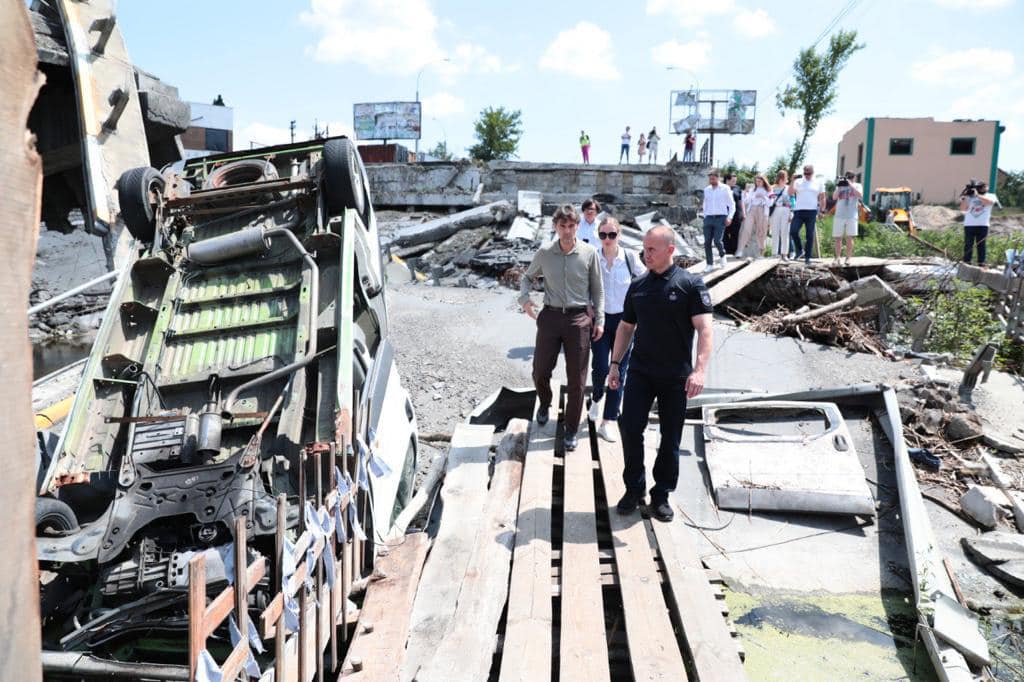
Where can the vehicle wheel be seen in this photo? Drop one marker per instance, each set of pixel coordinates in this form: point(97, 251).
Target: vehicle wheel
point(138, 193)
point(54, 516)
point(344, 178)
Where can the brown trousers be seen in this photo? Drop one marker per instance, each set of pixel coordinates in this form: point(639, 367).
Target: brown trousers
point(557, 330)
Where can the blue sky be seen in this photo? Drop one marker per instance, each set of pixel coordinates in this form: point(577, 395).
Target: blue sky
point(568, 66)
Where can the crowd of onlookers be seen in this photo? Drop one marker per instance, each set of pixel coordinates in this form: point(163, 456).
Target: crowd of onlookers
point(646, 146)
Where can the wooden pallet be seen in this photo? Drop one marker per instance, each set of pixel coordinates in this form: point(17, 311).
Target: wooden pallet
point(572, 589)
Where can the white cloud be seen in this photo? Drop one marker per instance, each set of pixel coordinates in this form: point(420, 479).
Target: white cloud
point(691, 55)
point(442, 104)
point(754, 23)
point(689, 13)
point(390, 36)
point(974, 62)
point(584, 51)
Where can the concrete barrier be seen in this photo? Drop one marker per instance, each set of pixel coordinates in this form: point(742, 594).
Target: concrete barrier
point(626, 191)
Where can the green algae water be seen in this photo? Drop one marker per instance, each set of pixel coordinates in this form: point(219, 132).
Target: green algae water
point(812, 637)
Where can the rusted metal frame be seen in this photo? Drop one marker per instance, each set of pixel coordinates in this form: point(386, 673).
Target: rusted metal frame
point(201, 196)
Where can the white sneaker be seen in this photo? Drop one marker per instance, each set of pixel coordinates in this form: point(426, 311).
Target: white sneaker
point(607, 432)
point(595, 410)
point(724, 260)
point(709, 267)
point(720, 264)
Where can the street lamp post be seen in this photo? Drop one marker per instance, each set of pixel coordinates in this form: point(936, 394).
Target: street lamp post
point(420, 73)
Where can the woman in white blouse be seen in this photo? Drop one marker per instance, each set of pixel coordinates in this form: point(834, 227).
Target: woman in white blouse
point(619, 267)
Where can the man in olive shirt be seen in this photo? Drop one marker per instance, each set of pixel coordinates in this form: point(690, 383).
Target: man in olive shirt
point(572, 288)
point(665, 307)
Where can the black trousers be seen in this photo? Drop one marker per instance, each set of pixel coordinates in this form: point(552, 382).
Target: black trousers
point(558, 331)
point(640, 392)
point(975, 234)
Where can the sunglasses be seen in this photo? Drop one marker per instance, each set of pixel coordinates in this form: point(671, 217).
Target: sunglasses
point(608, 235)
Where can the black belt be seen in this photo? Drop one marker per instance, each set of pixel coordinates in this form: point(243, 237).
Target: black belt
point(568, 311)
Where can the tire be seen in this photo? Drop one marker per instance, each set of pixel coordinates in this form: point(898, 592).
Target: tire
point(241, 172)
point(54, 515)
point(135, 190)
point(344, 184)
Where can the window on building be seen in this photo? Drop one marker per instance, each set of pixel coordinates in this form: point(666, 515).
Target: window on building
point(860, 155)
point(217, 140)
point(961, 146)
point(901, 146)
point(842, 165)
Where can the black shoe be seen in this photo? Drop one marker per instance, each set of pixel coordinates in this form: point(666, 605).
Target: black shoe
point(661, 510)
point(542, 415)
point(570, 442)
point(629, 502)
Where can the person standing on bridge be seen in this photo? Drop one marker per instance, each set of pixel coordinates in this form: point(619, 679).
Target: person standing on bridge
point(652, 145)
point(808, 208)
point(847, 196)
point(573, 287)
point(663, 309)
point(585, 146)
point(619, 267)
point(719, 208)
point(624, 147)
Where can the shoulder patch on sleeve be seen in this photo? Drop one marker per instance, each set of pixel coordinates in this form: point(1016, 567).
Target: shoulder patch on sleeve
point(705, 297)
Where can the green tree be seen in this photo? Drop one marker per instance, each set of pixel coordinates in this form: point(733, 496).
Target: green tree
point(497, 133)
point(814, 89)
point(1011, 189)
point(440, 151)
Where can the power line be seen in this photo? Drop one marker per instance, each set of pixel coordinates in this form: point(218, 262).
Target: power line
point(825, 32)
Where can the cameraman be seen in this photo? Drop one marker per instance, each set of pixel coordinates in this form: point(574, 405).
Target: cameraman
point(976, 202)
point(847, 197)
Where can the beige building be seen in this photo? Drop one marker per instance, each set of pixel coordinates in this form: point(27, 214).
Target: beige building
point(934, 158)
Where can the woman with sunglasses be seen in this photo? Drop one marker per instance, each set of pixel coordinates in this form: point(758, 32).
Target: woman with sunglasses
point(619, 267)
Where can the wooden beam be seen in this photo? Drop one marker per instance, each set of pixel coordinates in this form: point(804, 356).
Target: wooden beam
point(224, 602)
point(196, 612)
point(736, 283)
point(526, 653)
point(464, 496)
point(378, 645)
point(706, 632)
point(583, 649)
point(467, 650)
point(654, 652)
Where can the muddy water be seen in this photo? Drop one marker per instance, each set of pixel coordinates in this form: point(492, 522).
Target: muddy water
point(50, 357)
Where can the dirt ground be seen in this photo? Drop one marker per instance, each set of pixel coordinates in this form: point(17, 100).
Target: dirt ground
point(928, 217)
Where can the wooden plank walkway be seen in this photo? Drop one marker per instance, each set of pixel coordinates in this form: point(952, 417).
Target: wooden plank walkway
point(535, 576)
point(735, 283)
point(464, 496)
point(583, 651)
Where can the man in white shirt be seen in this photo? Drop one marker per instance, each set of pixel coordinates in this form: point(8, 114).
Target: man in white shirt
point(847, 197)
point(809, 194)
point(976, 202)
point(588, 223)
point(719, 208)
point(624, 148)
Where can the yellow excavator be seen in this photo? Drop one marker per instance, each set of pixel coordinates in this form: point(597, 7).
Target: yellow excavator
point(891, 205)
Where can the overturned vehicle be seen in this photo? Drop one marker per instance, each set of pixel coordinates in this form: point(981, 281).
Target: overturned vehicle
point(242, 383)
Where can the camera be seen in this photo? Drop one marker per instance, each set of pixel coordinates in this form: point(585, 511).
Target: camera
point(842, 182)
point(972, 188)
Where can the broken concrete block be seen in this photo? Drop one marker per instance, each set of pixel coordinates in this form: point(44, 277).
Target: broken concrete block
point(983, 503)
point(1001, 553)
point(873, 291)
point(529, 203)
point(964, 429)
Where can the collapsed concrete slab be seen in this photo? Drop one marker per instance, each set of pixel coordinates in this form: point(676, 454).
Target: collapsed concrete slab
point(442, 228)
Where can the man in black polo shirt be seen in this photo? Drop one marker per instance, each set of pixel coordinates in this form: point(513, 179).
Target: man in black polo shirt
point(664, 307)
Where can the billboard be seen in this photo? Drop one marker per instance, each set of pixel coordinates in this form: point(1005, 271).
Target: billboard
point(714, 111)
point(387, 120)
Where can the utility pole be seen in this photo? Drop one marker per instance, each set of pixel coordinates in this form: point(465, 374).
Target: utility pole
point(291, 129)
